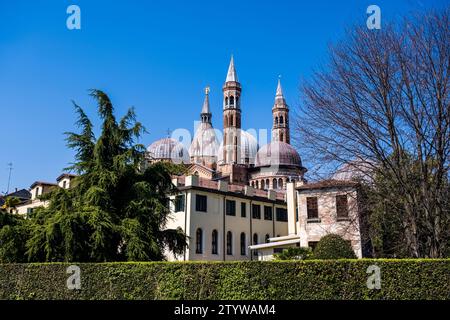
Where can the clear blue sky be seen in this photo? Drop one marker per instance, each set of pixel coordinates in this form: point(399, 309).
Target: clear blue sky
point(157, 56)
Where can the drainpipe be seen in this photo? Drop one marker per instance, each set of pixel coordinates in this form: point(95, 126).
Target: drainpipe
point(251, 228)
point(224, 236)
point(273, 219)
point(185, 221)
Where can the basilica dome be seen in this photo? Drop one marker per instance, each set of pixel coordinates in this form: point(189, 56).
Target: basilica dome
point(168, 149)
point(248, 149)
point(205, 143)
point(278, 154)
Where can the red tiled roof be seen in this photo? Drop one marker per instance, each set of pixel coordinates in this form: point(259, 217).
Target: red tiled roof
point(327, 184)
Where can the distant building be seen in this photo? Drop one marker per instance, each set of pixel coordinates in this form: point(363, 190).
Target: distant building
point(39, 188)
point(23, 195)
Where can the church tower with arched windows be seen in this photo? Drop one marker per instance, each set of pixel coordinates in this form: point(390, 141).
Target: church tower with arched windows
point(231, 117)
point(280, 114)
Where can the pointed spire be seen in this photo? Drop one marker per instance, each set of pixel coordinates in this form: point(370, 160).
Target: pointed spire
point(205, 108)
point(279, 93)
point(232, 75)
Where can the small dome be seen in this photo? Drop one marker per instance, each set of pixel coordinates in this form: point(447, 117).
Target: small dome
point(278, 153)
point(168, 149)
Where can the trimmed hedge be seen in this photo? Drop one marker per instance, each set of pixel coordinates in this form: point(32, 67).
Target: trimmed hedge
point(313, 279)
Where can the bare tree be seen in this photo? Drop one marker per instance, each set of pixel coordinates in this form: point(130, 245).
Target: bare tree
point(383, 102)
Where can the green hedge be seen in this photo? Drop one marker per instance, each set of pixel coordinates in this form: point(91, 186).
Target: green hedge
point(330, 279)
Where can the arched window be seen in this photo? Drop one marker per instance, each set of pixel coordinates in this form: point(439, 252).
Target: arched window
point(280, 183)
point(243, 245)
point(237, 101)
point(276, 120)
point(275, 184)
point(263, 184)
point(226, 101)
point(199, 241)
point(231, 101)
point(281, 137)
point(229, 243)
point(257, 184)
point(267, 183)
point(253, 184)
point(281, 119)
point(214, 242)
point(267, 238)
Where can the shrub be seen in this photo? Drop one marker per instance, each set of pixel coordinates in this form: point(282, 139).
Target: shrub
point(300, 253)
point(292, 280)
point(333, 246)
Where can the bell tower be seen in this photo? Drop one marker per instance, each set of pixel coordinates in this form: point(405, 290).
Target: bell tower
point(231, 117)
point(280, 114)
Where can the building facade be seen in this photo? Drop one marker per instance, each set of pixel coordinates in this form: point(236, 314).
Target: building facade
point(222, 220)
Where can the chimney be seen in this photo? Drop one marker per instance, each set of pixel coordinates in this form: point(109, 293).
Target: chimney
point(249, 191)
point(271, 194)
point(191, 181)
point(222, 186)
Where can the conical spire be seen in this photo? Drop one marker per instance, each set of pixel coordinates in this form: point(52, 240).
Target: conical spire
point(231, 75)
point(279, 93)
point(205, 115)
point(205, 108)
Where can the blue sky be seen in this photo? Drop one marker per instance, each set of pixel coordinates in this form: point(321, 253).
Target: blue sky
point(156, 56)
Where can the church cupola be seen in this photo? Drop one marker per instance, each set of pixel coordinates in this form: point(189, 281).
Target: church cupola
point(280, 114)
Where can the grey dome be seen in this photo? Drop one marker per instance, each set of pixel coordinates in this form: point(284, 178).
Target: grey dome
point(278, 153)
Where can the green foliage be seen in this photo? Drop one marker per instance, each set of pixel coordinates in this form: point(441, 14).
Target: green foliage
point(116, 208)
point(10, 203)
point(333, 246)
point(14, 231)
point(297, 280)
point(294, 253)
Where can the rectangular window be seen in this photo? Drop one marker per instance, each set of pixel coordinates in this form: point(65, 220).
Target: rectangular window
point(312, 208)
point(282, 214)
point(230, 208)
point(256, 211)
point(179, 203)
point(200, 203)
point(342, 206)
point(267, 213)
point(243, 209)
